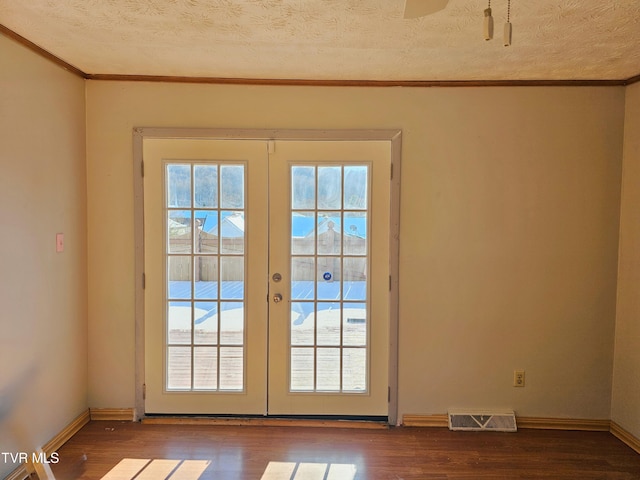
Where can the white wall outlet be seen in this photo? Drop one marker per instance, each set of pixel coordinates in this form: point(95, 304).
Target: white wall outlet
point(518, 378)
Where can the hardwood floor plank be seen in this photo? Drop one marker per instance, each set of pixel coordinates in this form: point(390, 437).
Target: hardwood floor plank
point(243, 452)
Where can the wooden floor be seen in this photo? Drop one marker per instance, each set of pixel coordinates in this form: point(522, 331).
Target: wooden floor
point(311, 453)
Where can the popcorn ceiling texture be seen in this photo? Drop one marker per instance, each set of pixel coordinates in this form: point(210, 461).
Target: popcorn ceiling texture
point(334, 39)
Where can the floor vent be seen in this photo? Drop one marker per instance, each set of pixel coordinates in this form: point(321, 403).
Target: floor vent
point(483, 421)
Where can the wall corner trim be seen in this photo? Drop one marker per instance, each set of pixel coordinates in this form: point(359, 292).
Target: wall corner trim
point(625, 436)
point(65, 434)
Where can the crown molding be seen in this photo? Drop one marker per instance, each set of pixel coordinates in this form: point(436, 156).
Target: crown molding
point(41, 51)
point(312, 83)
point(632, 80)
point(356, 83)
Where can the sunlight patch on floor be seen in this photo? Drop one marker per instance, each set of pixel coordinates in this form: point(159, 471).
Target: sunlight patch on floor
point(309, 471)
point(158, 469)
point(147, 469)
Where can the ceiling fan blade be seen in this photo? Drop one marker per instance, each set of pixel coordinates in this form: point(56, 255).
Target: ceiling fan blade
point(420, 8)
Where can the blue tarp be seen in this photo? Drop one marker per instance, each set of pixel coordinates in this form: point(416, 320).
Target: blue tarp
point(303, 296)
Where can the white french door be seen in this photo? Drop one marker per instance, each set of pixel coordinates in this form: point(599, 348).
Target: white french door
point(329, 240)
point(267, 277)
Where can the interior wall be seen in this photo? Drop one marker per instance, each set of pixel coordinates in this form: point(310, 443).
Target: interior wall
point(625, 409)
point(508, 237)
point(43, 294)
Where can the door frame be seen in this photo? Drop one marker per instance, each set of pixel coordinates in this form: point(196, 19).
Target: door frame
point(394, 136)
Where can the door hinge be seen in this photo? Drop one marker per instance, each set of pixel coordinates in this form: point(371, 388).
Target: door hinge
point(142, 169)
point(271, 146)
point(144, 281)
point(389, 282)
point(144, 391)
point(388, 394)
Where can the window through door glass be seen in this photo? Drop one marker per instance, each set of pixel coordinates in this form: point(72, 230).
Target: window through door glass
point(205, 276)
point(329, 327)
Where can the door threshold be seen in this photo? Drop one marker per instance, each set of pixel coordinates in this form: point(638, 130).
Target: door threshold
point(369, 422)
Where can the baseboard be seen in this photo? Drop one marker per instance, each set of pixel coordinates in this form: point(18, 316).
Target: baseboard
point(522, 422)
point(625, 437)
point(54, 444)
point(581, 424)
point(19, 473)
point(541, 423)
point(425, 420)
point(124, 414)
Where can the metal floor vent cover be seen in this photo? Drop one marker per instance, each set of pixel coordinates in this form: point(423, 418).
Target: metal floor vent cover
point(483, 421)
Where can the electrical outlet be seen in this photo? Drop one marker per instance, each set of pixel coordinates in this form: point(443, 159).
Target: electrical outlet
point(518, 378)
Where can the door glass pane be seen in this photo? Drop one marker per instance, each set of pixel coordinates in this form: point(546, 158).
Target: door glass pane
point(302, 369)
point(328, 376)
point(206, 236)
point(302, 323)
point(303, 274)
point(205, 186)
point(232, 323)
point(354, 234)
point(329, 233)
point(178, 368)
point(354, 279)
point(179, 276)
point(205, 368)
point(354, 369)
point(232, 186)
point(232, 276)
point(329, 261)
point(328, 278)
point(179, 231)
point(354, 324)
point(329, 188)
point(179, 323)
point(205, 322)
point(303, 233)
point(356, 185)
point(232, 232)
point(328, 323)
point(303, 187)
point(178, 186)
point(231, 368)
point(205, 276)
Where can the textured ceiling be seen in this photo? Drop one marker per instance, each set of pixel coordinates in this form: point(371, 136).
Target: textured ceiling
point(334, 39)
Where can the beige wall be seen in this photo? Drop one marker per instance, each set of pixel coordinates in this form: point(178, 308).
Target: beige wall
point(43, 295)
point(625, 409)
point(509, 231)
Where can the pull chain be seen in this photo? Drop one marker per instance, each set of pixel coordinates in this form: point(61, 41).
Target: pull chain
point(488, 23)
point(507, 26)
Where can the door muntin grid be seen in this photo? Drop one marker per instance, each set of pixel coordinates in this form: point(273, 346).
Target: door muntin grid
point(329, 319)
point(205, 276)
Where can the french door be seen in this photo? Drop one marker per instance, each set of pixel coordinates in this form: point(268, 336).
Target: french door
point(267, 277)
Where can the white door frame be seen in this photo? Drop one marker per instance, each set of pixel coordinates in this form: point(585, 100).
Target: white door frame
point(394, 136)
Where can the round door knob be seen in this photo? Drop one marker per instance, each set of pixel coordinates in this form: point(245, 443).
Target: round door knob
point(277, 298)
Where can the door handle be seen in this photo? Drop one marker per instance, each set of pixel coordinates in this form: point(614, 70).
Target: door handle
point(277, 298)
